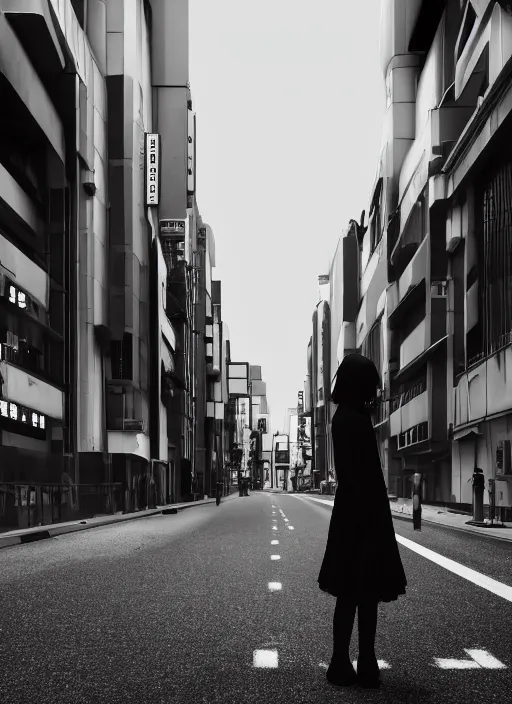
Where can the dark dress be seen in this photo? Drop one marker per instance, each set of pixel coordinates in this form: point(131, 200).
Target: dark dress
point(361, 560)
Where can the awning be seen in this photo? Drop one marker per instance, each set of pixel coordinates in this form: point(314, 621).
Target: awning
point(413, 296)
point(413, 366)
point(465, 432)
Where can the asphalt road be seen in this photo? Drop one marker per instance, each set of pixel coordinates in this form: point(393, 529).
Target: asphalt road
point(172, 609)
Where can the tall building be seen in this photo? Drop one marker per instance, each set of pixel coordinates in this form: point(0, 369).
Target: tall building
point(111, 336)
point(433, 259)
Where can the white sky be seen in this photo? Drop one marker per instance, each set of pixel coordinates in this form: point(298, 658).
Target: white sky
point(289, 98)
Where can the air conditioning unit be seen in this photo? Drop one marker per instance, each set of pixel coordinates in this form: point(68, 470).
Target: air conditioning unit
point(503, 458)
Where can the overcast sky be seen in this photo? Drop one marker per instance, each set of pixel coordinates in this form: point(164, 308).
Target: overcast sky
point(289, 98)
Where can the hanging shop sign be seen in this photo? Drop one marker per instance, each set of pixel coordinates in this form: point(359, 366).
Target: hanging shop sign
point(191, 152)
point(152, 150)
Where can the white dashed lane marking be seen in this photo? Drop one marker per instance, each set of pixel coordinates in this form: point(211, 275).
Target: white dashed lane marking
point(275, 586)
point(274, 527)
point(291, 528)
point(274, 542)
point(265, 658)
point(275, 557)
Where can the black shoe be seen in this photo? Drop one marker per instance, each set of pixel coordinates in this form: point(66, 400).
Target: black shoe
point(368, 673)
point(341, 676)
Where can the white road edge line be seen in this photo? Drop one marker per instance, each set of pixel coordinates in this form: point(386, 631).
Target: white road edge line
point(481, 580)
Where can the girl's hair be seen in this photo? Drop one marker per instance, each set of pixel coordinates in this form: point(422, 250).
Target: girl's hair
point(356, 382)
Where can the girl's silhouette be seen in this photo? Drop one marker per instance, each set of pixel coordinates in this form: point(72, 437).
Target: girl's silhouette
point(361, 565)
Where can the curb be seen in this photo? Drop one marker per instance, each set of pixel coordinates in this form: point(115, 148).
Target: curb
point(56, 530)
point(404, 517)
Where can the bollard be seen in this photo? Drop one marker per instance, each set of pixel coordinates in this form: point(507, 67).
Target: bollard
point(478, 495)
point(416, 501)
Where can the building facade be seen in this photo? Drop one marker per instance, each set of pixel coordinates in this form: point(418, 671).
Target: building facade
point(431, 304)
point(112, 349)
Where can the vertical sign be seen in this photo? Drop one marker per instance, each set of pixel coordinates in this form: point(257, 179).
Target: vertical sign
point(191, 161)
point(300, 402)
point(152, 168)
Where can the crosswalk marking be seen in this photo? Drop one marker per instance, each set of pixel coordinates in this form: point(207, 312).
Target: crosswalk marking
point(485, 659)
point(479, 659)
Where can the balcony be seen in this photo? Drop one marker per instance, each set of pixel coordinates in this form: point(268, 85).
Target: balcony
point(24, 92)
point(406, 290)
point(126, 420)
point(32, 22)
point(26, 390)
point(484, 390)
point(426, 339)
point(409, 414)
point(125, 408)
point(414, 344)
point(47, 364)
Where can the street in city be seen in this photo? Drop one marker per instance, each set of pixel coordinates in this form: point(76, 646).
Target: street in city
point(221, 604)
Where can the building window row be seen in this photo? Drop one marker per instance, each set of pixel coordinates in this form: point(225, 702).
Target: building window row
point(414, 435)
point(495, 244)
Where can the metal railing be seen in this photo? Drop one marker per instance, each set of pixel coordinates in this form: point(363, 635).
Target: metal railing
point(407, 394)
point(25, 505)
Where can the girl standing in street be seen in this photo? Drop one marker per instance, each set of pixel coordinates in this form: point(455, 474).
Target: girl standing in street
point(361, 565)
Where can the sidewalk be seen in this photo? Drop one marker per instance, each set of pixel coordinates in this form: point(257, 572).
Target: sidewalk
point(436, 514)
point(442, 516)
point(29, 535)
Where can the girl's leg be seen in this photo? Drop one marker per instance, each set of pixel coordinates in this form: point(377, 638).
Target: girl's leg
point(367, 666)
point(340, 671)
point(343, 624)
point(367, 626)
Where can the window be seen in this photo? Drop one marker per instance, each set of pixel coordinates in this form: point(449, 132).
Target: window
point(495, 261)
point(371, 345)
point(467, 26)
point(80, 8)
point(122, 357)
point(375, 228)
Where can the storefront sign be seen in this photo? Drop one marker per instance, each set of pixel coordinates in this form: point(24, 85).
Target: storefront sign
point(23, 415)
point(152, 169)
